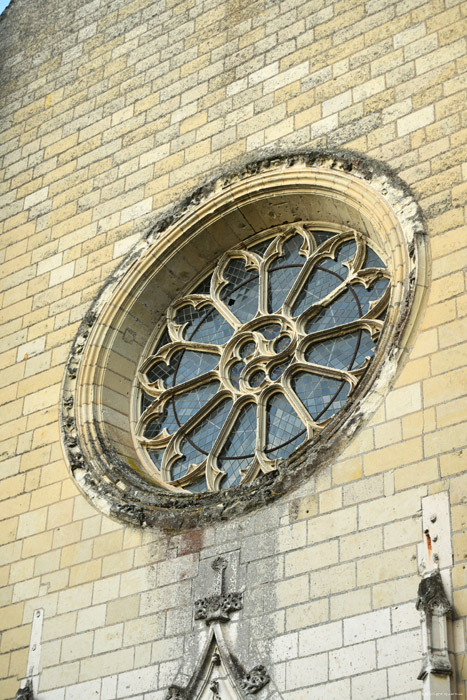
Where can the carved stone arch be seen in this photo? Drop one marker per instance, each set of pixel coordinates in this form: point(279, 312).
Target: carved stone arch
point(218, 675)
point(99, 400)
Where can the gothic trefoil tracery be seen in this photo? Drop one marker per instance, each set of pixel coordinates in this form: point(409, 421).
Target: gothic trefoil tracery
point(260, 355)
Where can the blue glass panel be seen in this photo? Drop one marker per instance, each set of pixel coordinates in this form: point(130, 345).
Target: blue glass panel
point(239, 449)
point(163, 371)
point(180, 409)
point(205, 325)
point(344, 253)
point(166, 420)
point(344, 309)
point(321, 396)
point(280, 283)
point(279, 370)
point(248, 349)
point(343, 352)
point(145, 401)
point(366, 348)
point(321, 236)
point(283, 272)
point(256, 379)
point(284, 429)
point(203, 287)
point(200, 440)
point(186, 405)
point(163, 340)
point(290, 253)
point(270, 331)
point(235, 372)
point(365, 296)
point(198, 486)
point(260, 248)
point(189, 364)
point(281, 344)
point(241, 292)
point(318, 285)
point(373, 260)
point(156, 456)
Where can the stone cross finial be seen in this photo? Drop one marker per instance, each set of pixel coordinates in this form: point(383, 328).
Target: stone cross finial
point(217, 607)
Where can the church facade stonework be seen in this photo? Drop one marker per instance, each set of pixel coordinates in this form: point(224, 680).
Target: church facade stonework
point(233, 375)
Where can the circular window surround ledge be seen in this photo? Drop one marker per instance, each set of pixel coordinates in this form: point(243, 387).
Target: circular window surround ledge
point(98, 401)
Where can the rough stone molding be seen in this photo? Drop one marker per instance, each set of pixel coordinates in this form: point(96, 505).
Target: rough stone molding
point(176, 693)
point(256, 679)
point(105, 462)
point(217, 607)
point(435, 608)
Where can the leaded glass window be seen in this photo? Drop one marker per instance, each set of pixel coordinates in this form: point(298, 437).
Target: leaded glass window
point(261, 355)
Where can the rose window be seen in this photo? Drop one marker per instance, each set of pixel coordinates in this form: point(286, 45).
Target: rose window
point(260, 356)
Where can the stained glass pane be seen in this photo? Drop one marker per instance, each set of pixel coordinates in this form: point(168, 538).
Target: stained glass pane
point(199, 440)
point(198, 486)
point(186, 405)
point(257, 379)
point(321, 236)
point(372, 260)
point(248, 349)
point(166, 420)
point(241, 292)
point(205, 325)
point(342, 352)
point(321, 396)
point(281, 344)
point(279, 370)
point(284, 429)
point(180, 409)
point(319, 284)
point(163, 340)
point(145, 401)
point(239, 450)
point(189, 364)
point(161, 370)
point(290, 253)
point(235, 372)
point(344, 309)
point(260, 248)
point(270, 331)
point(203, 287)
point(283, 272)
point(366, 296)
point(344, 254)
point(280, 281)
point(156, 457)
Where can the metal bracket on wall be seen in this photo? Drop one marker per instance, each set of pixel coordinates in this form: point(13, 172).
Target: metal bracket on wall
point(30, 686)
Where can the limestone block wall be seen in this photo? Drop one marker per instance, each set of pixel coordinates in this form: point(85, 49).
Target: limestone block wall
point(112, 111)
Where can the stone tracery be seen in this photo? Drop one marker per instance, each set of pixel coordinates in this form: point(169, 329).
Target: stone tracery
point(261, 355)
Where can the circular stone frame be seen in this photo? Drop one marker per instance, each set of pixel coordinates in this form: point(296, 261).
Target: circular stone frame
point(99, 395)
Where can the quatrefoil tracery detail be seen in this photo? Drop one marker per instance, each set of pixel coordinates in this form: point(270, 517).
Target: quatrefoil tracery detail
point(261, 355)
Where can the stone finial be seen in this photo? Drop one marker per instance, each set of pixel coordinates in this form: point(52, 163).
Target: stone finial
point(218, 607)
